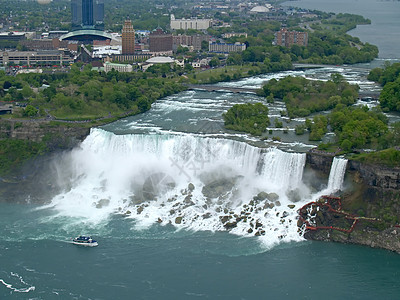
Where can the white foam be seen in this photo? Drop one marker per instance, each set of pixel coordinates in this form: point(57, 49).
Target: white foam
point(336, 175)
point(116, 173)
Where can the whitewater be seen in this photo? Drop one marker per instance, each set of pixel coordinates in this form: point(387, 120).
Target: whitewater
point(190, 182)
point(176, 165)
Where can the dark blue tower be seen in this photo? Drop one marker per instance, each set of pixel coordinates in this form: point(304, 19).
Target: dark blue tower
point(87, 14)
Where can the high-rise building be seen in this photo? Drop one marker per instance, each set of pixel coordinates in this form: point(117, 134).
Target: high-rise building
point(128, 38)
point(160, 41)
point(87, 14)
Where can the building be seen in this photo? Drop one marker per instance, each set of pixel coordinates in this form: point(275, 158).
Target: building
point(12, 36)
point(48, 44)
point(189, 40)
point(87, 14)
point(288, 38)
point(137, 57)
point(108, 66)
point(232, 34)
point(226, 48)
point(50, 57)
point(160, 42)
point(185, 24)
point(128, 38)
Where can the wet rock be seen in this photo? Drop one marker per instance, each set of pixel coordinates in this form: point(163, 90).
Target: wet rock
point(230, 225)
point(261, 196)
point(128, 212)
point(159, 220)
point(102, 203)
point(188, 199)
point(224, 219)
point(268, 205)
point(178, 220)
point(218, 188)
point(277, 203)
point(140, 210)
point(191, 187)
point(207, 216)
point(291, 206)
point(250, 230)
point(294, 195)
point(284, 214)
point(272, 196)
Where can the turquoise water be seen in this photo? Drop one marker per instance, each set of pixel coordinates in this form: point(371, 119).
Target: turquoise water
point(38, 262)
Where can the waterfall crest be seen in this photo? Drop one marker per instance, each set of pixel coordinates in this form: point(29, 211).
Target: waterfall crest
point(184, 180)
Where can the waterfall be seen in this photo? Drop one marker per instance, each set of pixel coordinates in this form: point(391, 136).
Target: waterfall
point(189, 181)
point(336, 175)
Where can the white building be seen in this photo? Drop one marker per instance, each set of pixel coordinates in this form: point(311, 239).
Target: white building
point(185, 24)
point(226, 48)
point(117, 67)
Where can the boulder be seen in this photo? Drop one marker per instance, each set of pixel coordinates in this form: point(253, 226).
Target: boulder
point(272, 196)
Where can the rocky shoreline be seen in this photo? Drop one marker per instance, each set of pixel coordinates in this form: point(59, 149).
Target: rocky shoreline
point(372, 195)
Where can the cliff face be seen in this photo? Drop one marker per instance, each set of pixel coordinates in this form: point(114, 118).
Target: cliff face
point(320, 162)
point(56, 136)
point(376, 176)
point(36, 176)
point(372, 197)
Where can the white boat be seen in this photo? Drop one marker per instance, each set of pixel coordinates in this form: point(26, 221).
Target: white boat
point(84, 241)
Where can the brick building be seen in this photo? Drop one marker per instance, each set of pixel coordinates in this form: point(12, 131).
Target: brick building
point(160, 41)
point(128, 38)
point(288, 38)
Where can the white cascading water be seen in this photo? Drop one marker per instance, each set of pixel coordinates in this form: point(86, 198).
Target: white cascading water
point(190, 182)
point(336, 175)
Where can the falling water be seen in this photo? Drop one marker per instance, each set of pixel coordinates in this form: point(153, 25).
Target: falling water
point(191, 182)
point(336, 175)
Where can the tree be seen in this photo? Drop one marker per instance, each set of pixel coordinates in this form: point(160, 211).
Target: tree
point(30, 111)
point(214, 62)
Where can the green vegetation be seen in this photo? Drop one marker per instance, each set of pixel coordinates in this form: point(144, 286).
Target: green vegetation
point(389, 78)
point(15, 152)
point(251, 118)
point(388, 157)
point(359, 127)
point(303, 97)
point(86, 95)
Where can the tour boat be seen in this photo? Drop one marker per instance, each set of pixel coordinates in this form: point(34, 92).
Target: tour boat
point(84, 241)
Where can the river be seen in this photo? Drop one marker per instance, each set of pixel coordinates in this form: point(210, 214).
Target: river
point(155, 190)
point(384, 15)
